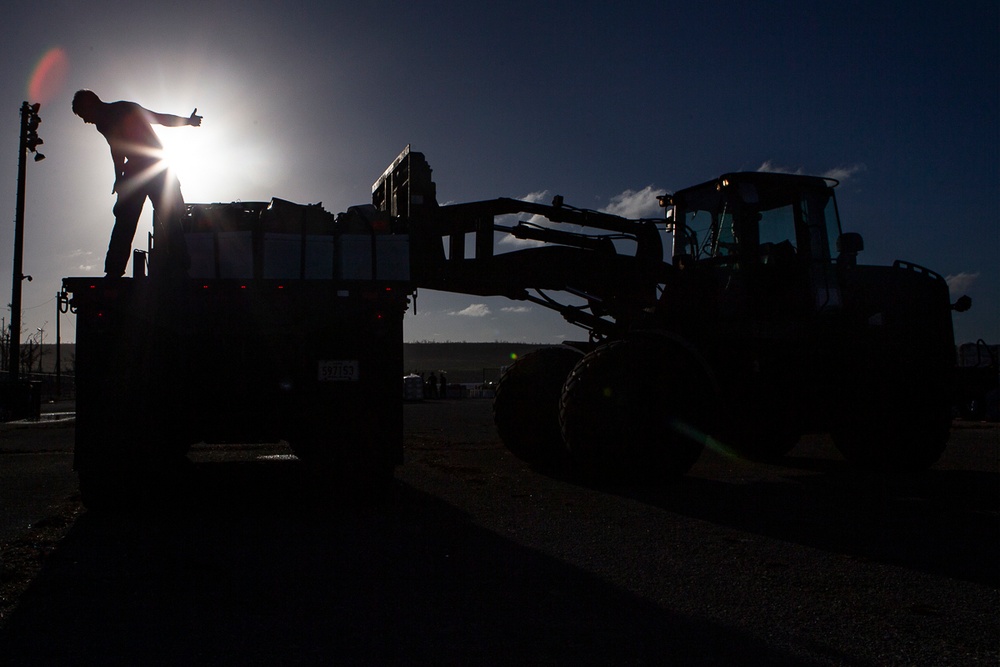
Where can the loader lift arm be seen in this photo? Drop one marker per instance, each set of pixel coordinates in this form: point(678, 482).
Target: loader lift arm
point(617, 287)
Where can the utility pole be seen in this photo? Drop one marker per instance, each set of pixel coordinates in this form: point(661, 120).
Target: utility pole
point(61, 300)
point(41, 346)
point(29, 141)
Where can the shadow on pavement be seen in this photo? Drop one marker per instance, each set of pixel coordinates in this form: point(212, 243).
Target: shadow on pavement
point(942, 522)
point(250, 569)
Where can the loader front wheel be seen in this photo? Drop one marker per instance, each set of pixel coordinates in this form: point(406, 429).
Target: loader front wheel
point(526, 406)
point(636, 411)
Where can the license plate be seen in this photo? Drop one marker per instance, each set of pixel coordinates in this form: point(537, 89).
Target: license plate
point(340, 370)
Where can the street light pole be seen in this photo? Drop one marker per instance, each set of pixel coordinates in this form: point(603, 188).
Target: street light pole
point(15, 288)
point(28, 141)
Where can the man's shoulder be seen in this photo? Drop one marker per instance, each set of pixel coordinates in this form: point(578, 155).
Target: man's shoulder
point(114, 114)
point(123, 107)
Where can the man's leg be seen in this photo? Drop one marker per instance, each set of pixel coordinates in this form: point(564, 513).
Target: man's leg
point(127, 211)
point(168, 206)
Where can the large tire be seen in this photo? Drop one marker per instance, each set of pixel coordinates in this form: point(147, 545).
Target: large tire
point(124, 458)
point(526, 406)
point(888, 429)
point(132, 484)
point(636, 411)
point(764, 435)
point(120, 454)
point(354, 464)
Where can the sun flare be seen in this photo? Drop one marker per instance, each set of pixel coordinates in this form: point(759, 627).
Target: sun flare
point(212, 164)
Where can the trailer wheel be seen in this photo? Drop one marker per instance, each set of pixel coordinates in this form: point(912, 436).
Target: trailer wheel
point(526, 406)
point(132, 484)
point(350, 466)
point(104, 490)
point(636, 411)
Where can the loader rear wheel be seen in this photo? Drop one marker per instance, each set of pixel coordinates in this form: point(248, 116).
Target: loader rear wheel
point(894, 431)
point(636, 411)
point(764, 437)
point(526, 406)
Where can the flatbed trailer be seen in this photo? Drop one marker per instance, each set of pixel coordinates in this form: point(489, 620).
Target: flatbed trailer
point(281, 331)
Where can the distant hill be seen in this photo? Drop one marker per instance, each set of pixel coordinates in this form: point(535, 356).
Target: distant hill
point(463, 362)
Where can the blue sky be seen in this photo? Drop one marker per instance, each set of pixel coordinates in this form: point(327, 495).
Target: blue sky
point(597, 101)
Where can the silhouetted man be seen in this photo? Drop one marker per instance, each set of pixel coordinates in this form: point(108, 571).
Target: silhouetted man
point(140, 172)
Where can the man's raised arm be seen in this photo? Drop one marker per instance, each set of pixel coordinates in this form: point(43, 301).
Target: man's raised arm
point(170, 120)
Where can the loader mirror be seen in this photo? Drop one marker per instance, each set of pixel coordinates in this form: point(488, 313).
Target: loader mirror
point(963, 304)
point(850, 243)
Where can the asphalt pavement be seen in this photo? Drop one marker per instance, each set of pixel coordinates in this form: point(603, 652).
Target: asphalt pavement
point(36, 469)
point(476, 559)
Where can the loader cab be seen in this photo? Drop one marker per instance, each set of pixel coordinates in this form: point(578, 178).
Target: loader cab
point(756, 217)
point(768, 237)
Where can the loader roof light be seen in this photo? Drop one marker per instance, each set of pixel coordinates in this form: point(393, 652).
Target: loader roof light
point(665, 200)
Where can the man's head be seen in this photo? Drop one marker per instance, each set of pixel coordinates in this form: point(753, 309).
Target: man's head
point(85, 105)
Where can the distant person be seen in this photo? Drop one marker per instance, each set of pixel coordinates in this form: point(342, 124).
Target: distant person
point(432, 382)
point(443, 385)
point(139, 173)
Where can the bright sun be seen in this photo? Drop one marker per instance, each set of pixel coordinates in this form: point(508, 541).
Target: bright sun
point(192, 153)
point(211, 164)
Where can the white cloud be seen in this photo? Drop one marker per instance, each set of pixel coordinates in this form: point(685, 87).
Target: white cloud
point(516, 309)
point(844, 173)
point(839, 173)
point(769, 166)
point(628, 204)
point(473, 310)
point(636, 203)
point(961, 282)
point(509, 240)
point(539, 197)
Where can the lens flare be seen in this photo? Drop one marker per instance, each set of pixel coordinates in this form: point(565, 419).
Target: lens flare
point(49, 76)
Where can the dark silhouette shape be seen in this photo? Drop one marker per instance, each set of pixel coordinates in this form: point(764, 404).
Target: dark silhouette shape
point(140, 172)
